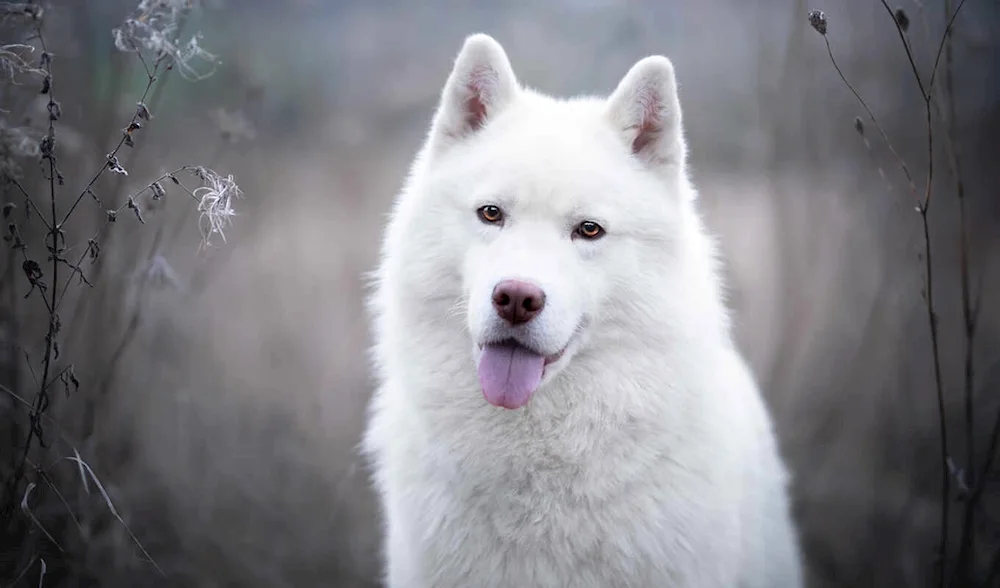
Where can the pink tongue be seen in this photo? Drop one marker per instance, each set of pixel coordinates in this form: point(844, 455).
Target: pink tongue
point(509, 374)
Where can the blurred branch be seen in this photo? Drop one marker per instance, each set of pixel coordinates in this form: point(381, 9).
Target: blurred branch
point(900, 21)
point(871, 116)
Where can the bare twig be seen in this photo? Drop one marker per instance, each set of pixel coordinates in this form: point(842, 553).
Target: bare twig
point(197, 194)
point(944, 41)
point(932, 318)
point(871, 117)
point(114, 511)
point(26, 509)
point(909, 51)
point(819, 22)
point(41, 400)
point(30, 201)
point(112, 157)
point(55, 489)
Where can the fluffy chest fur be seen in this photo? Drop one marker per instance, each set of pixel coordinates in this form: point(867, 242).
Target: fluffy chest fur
point(601, 504)
point(596, 493)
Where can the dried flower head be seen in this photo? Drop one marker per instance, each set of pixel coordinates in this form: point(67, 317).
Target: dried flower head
point(23, 9)
point(13, 60)
point(902, 20)
point(154, 28)
point(215, 203)
point(817, 20)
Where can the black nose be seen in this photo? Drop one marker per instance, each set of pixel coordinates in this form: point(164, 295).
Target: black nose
point(518, 302)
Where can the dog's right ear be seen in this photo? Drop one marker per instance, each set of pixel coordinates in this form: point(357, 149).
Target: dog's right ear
point(481, 84)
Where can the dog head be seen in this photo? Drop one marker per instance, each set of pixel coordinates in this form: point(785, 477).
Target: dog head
point(552, 215)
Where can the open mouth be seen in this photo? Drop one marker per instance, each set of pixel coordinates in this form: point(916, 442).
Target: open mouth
point(510, 372)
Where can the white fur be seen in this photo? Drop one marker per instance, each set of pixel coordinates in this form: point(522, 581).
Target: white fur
point(646, 457)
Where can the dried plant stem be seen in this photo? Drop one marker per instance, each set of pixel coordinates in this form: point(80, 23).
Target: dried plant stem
point(30, 202)
point(41, 400)
point(923, 207)
point(114, 212)
point(932, 320)
point(942, 416)
point(871, 116)
point(927, 94)
point(151, 79)
point(965, 563)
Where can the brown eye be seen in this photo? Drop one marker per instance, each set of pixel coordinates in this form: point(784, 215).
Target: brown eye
point(589, 230)
point(490, 214)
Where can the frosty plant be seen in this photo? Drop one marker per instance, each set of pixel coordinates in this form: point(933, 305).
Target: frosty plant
point(152, 35)
point(154, 29)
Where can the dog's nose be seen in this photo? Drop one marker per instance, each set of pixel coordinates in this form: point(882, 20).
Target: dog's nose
point(518, 302)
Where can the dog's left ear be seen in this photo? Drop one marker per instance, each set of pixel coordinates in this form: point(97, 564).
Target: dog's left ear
point(645, 109)
point(480, 86)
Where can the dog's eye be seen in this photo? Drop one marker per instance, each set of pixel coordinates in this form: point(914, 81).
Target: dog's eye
point(490, 214)
point(589, 230)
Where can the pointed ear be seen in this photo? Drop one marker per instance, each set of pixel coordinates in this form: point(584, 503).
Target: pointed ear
point(481, 84)
point(645, 110)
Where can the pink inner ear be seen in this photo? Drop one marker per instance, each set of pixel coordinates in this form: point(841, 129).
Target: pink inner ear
point(650, 120)
point(481, 87)
point(475, 112)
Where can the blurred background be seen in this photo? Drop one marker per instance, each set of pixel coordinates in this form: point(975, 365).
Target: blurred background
point(222, 390)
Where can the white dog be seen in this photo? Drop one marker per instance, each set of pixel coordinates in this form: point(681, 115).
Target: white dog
point(561, 402)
